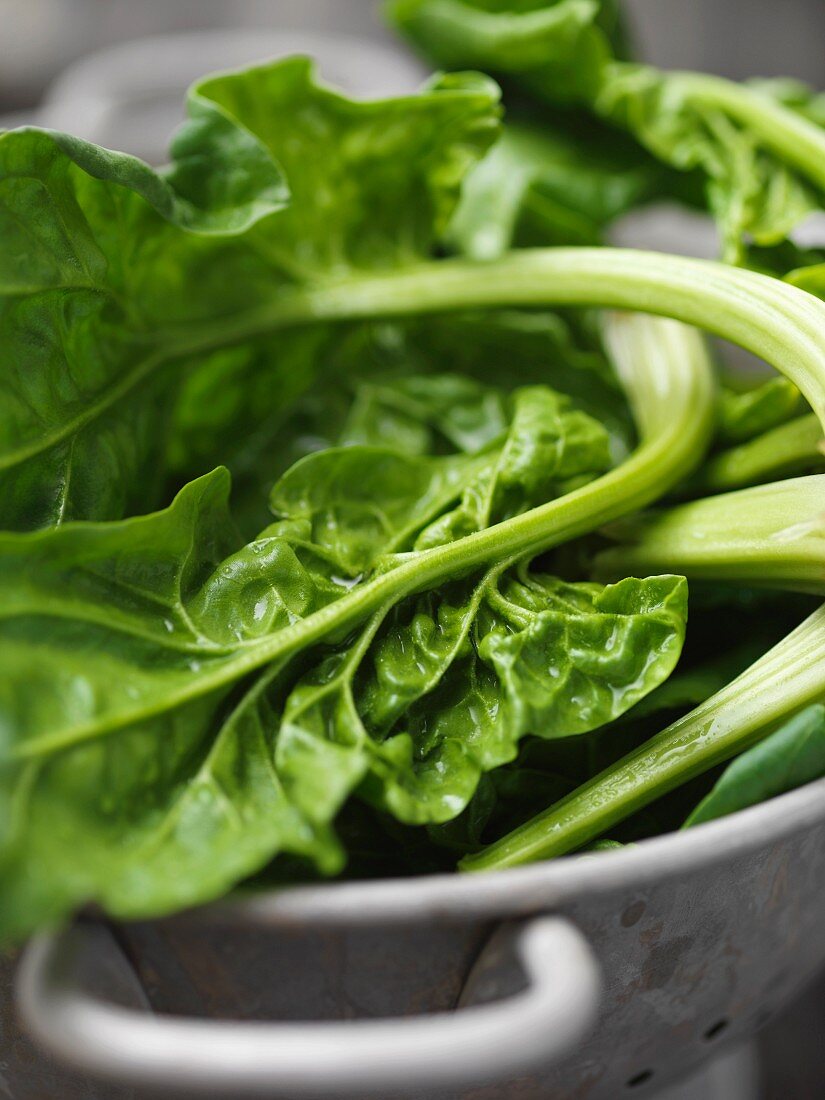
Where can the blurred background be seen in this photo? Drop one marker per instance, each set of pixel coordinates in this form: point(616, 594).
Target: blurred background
point(114, 72)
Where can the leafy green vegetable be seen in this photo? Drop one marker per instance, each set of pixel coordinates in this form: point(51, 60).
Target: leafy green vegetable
point(557, 48)
point(130, 651)
point(114, 783)
point(787, 759)
point(405, 657)
point(113, 276)
point(760, 147)
point(549, 186)
point(426, 414)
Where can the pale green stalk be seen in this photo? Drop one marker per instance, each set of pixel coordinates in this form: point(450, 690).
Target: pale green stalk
point(791, 448)
point(781, 324)
point(797, 140)
point(772, 535)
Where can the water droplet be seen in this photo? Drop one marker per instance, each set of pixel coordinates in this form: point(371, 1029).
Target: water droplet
point(347, 582)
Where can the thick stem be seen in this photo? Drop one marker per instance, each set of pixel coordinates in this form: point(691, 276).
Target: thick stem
point(787, 678)
point(799, 141)
point(780, 323)
point(793, 448)
point(772, 535)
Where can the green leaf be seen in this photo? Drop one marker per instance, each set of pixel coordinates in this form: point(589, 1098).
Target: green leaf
point(114, 787)
point(550, 448)
point(385, 187)
point(582, 656)
point(787, 759)
point(542, 349)
point(110, 622)
point(498, 660)
point(112, 275)
point(785, 679)
point(359, 503)
point(121, 643)
point(760, 149)
point(755, 190)
point(169, 815)
point(383, 384)
point(133, 641)
point(426, 414)
point(558, 47)
point(91, 238)
point(543, 184)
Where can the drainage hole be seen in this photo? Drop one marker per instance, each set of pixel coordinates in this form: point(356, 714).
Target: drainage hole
point(640, 1079)
point(717, 1029)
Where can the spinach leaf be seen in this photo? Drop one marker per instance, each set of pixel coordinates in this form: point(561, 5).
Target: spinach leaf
point(787, 759)
point(550, 181)
point(115, 784)
point(542, 349)
point(760, 148)
point(95, 247)
point(762, 161)
point(385, 384)
point(785, 679)
point(556, 48)
point(163, 684)
point(550, 450)
point(506, 662)
point(113, 275)
point(358, 504)
point(426, 414)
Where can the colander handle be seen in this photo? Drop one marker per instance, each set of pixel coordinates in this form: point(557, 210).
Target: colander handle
point(472, 1045)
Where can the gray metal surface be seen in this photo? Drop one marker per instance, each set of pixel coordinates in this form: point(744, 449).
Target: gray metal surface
point(551, 1010)
point(700, 937)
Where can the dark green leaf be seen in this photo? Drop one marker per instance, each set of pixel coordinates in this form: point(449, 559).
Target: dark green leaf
point(550, 448)
point(426, 414)
point(466, 682)
point(360, 503)
point(113, 277)
point(113, 786)
point(760, 149)
point(787, 759)
point(541, 184)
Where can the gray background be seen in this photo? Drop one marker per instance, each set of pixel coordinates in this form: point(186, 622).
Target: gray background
point(735, 37)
